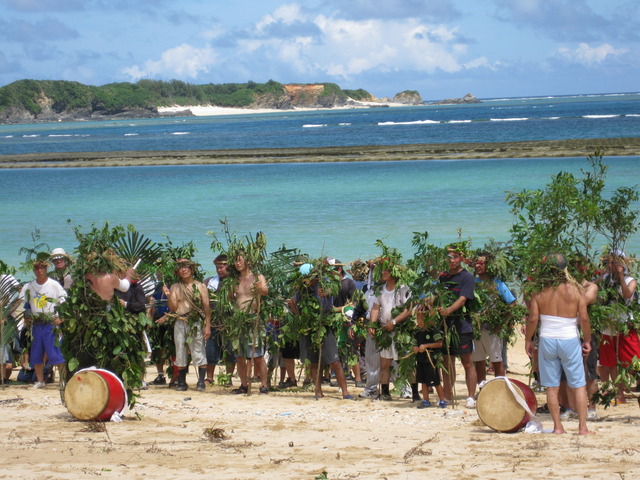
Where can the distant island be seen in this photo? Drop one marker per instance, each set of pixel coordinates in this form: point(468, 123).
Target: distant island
point(36, 101)
point(468, 98)
point(39, 101)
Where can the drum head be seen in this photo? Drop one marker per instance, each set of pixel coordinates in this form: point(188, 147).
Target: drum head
point(497, 407)
point(86, 395)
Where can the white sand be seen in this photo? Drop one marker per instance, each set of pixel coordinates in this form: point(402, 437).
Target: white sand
point(289, 435)
point(211, 110)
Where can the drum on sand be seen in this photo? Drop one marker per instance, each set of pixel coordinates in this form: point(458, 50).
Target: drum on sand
point(95, 394)
point(498, 408)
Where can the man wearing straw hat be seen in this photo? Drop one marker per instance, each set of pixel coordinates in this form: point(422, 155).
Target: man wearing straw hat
point(61, 261)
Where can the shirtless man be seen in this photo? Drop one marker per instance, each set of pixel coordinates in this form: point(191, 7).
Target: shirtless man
point(188, 299)
point(559, 308)
point(247, 292)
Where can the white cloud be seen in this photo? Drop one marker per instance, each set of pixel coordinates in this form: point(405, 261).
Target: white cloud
point(183, 61)
point(287, 14)
point(587, 55)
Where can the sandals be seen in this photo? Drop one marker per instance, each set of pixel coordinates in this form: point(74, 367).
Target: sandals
point(240, 390)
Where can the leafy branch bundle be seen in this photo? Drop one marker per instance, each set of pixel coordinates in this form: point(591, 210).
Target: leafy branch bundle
point(99, 333)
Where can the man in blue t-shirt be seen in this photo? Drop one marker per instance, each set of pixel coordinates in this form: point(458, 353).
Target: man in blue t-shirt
point(457, 317)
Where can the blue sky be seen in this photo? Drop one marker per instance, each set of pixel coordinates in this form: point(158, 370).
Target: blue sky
point(441, 48)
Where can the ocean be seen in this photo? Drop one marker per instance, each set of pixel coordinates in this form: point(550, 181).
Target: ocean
point(337, 209)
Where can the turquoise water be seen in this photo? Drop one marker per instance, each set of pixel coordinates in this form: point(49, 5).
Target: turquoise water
point(337, 209)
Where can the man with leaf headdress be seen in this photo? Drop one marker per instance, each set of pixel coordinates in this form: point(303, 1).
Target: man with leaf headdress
point(43, 295)
point(248, 290)
point(559, 306)
point(459, 327)
point(389, 310)
point(188, 299)
point(495, 324)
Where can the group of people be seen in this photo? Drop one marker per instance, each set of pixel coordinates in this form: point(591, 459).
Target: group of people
point(194, 314)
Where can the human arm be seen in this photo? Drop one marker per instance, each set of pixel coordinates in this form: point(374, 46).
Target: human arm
point(585, 325)
point(627, 289)
point(261, 286)
point(401, 317)
point(532, 324)
point(454, 307)
point(172, 296)
point(590, 292)
point(374, 316)
point(206, 306)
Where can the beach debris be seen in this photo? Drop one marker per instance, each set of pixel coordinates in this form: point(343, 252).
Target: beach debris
point(11, 400)
point(95, 427)
point(418, 450)
point(215, 434)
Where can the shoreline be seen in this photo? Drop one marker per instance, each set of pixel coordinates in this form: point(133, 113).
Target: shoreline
point(212, 110)
point(367, 153)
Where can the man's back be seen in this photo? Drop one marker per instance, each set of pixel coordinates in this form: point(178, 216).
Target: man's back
point(564, 300)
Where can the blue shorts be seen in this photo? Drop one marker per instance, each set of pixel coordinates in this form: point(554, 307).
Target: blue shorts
point(556, 355)
point(44, 341)
point(215, 350)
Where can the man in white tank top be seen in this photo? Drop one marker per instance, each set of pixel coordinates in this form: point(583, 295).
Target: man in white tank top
point(558, 307)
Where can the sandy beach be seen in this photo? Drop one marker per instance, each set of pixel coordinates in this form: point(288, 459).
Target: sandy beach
point(290, 435)
point(436, 151)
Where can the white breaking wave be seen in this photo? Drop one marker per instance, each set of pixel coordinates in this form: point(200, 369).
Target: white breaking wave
point(131, 134)
point(180, 133)
point(508, 119)
point(416, 122)
point(600, 116)
point(30, 136)
point(344, 124)
point(460, 121)
point(314, 125)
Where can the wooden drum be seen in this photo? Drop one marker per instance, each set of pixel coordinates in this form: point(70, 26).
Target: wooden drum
point(95, 394)
point(498, 408)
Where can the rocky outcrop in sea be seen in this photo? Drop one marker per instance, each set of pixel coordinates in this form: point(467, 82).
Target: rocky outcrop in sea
point(468, 98)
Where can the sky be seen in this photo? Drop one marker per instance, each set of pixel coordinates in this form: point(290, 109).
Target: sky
point(441, 48)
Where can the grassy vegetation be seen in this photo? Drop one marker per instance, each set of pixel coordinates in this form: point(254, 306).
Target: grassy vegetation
point(66, 97)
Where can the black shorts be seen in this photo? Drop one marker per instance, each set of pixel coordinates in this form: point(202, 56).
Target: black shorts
point(290, 350)
point(464, 344)
point(427, 374)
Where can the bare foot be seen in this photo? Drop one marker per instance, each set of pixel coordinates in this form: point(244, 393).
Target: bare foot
point(559, 431)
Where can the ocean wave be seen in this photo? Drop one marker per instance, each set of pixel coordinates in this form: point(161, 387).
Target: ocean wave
point(30, 136)
point(416, 122)
point(131, 134)
point(508, 119)
point(345, 124)
point(600, 116)
point(7, 136)
point(314, 125)
point(460, 121)
point(180, 133)
point(61, 135)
